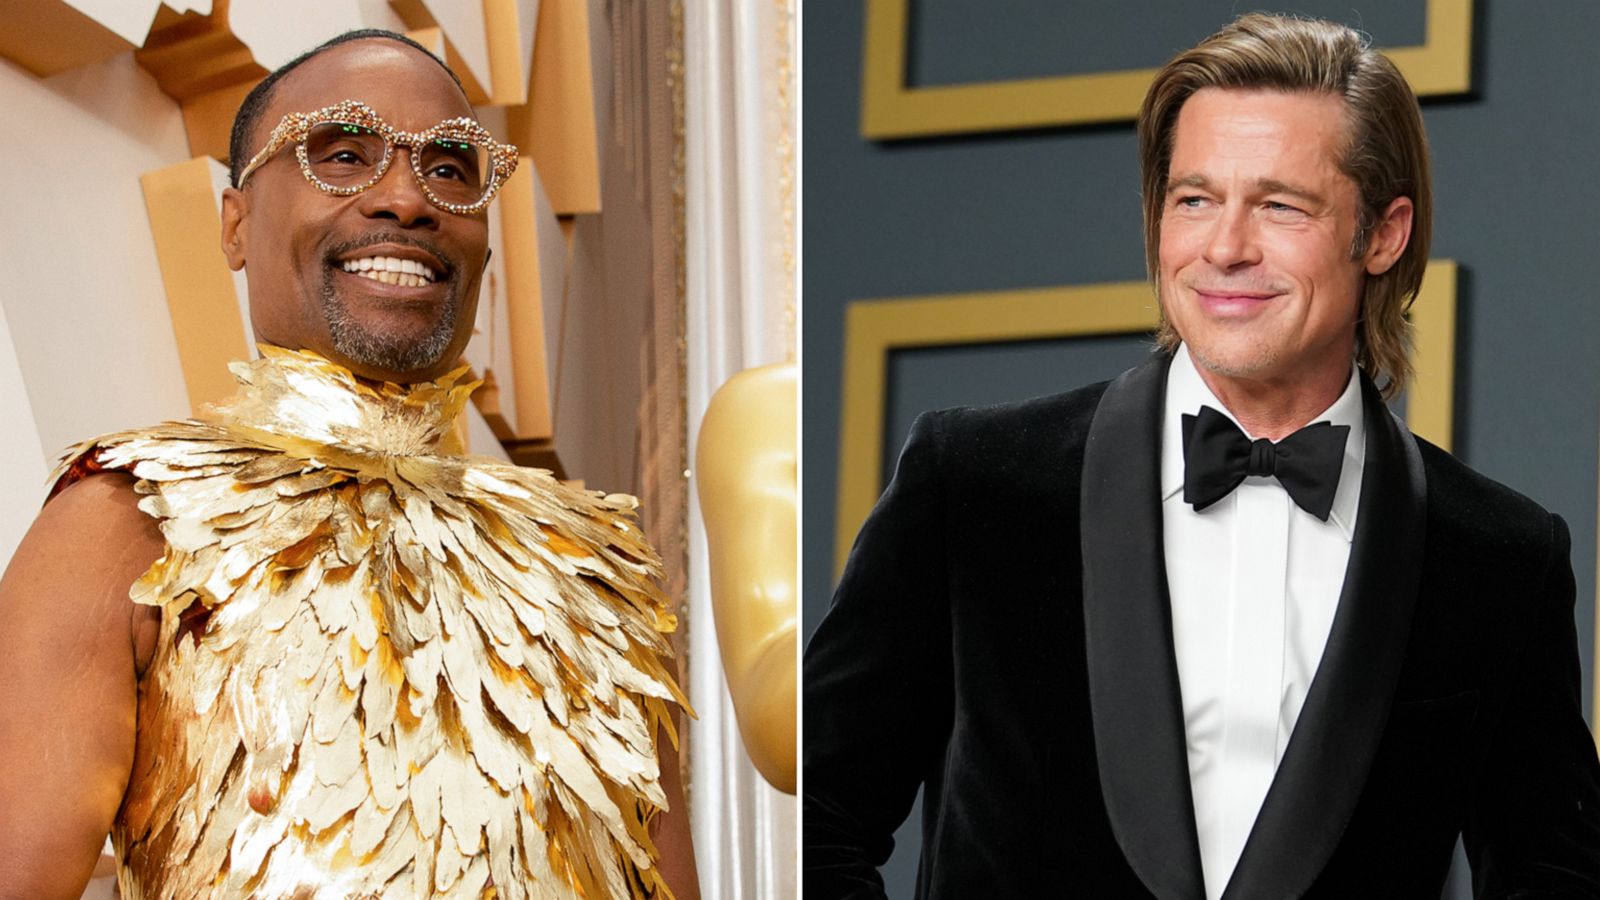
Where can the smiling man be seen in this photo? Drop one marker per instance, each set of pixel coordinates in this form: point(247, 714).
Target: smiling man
point(300, 646)
point(1221, 627)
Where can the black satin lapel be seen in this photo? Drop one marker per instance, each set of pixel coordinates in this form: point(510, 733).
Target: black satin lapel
point(1133, 674)
point(1325, 766)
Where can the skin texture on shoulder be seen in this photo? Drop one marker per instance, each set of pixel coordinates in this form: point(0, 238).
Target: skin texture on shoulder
point(71, 652)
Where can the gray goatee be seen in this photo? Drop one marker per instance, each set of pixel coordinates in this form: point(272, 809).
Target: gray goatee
point(387, 351)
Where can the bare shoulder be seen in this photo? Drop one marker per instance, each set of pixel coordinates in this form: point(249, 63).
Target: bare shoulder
point(104, 493)
point(71, 648)
point(77, 561)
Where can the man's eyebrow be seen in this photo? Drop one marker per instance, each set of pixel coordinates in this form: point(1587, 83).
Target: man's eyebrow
point(1274, 186)
point(1262, 186)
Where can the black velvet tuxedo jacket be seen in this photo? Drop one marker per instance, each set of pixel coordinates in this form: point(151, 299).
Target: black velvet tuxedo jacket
point(1002, 639)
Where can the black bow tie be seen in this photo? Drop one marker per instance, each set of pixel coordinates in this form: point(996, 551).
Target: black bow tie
point(1217, 456)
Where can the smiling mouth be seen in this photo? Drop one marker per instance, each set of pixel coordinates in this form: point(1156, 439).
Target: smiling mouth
point(390, 270)
point(1212, 294)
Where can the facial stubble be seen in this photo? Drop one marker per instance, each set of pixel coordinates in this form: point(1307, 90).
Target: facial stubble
point(1257, 356)
point(383, 350)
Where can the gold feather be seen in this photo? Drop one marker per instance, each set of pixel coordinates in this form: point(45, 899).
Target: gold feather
point(385, 669)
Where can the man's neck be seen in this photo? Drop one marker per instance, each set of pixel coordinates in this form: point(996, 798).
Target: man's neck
point(1274, 408)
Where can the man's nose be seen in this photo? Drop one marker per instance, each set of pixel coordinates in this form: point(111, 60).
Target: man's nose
point(1232, 241)
point(398, 196)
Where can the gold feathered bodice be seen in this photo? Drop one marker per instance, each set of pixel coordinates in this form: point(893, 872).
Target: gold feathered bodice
point(385, 669)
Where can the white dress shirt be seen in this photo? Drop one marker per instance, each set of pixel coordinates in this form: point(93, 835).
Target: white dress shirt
point(1254, 582)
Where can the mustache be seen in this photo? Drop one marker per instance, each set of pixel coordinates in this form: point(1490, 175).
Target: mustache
point(394, 237)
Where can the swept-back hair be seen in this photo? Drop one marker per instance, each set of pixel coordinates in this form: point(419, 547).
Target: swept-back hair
point(1385, 154)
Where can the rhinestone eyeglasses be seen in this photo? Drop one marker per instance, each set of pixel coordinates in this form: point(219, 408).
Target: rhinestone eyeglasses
point(346, 148)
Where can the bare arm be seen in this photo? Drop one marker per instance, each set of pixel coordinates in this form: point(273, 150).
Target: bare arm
point(670, 830)
point(71, 644)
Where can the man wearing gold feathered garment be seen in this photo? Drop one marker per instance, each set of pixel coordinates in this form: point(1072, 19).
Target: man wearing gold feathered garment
point(301, 646)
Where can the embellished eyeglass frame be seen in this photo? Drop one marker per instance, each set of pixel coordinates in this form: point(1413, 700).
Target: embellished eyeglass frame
point(296, 127)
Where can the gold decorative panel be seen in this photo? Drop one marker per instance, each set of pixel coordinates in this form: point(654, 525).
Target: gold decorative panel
point(557, 126)
point(892, 109)
point(533, 242)
point(49, 36)
point(198, 61)
point(185, 220)
point(419, 15)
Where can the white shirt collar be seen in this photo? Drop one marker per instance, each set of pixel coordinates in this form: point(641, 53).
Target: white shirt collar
point(1187, 392)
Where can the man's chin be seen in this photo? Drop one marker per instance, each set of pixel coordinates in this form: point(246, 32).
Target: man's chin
point(391, 341)
point(382, 361)
point(1233, 359)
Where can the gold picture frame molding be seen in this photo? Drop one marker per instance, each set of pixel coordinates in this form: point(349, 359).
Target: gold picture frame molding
point(892, 109)
point(875, 328)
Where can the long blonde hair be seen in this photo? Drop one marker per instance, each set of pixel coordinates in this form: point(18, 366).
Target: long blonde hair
point(1386, 154)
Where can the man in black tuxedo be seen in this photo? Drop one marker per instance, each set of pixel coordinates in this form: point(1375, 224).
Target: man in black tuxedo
point(1222, 627)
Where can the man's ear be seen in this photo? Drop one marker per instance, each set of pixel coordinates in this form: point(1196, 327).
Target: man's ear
point(235, 203)
point(1390, 236)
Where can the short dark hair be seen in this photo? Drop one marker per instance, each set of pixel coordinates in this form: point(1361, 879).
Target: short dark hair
point(249, 114)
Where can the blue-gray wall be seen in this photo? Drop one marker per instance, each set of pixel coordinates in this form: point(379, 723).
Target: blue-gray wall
point(1517, 205)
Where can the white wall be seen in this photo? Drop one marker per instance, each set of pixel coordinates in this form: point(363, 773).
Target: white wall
point(22, 460)
point(90, 337)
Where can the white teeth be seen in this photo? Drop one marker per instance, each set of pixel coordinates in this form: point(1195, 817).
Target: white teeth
point(404, 279)
point(391, 270)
